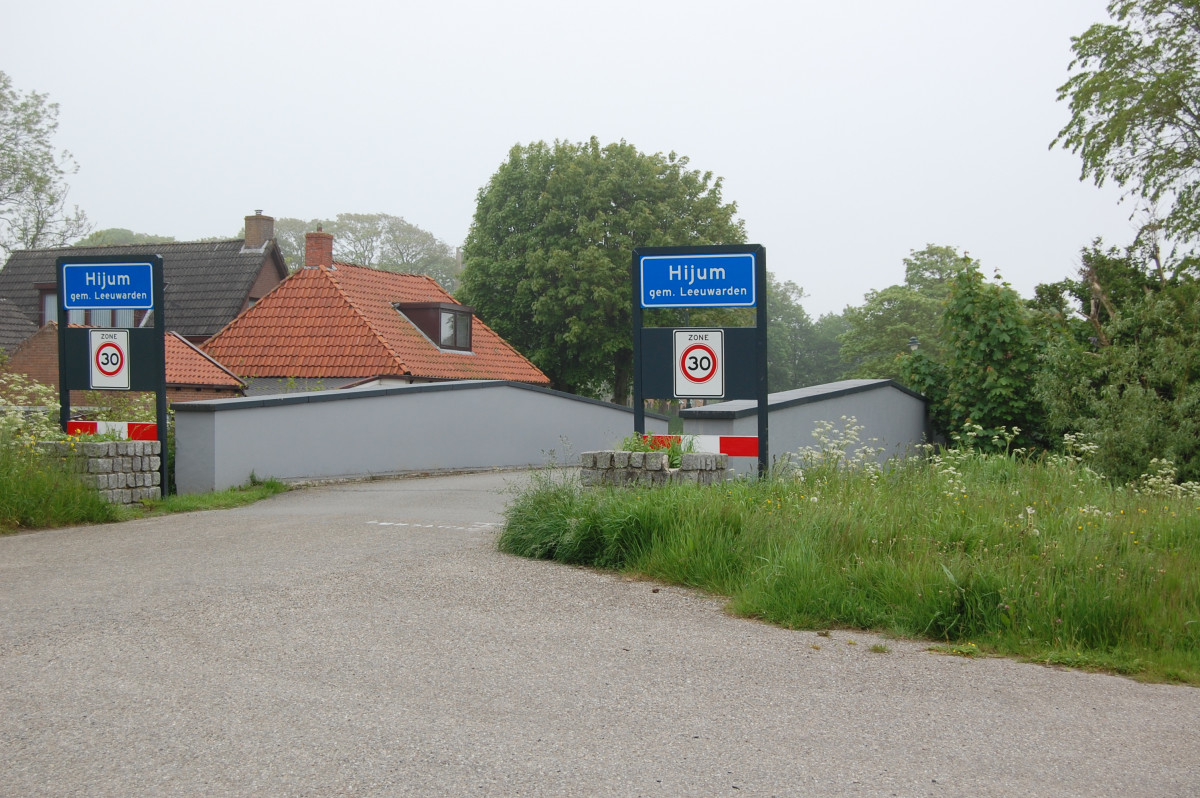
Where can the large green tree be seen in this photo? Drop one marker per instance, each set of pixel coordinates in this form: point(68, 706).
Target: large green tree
point(377, 240)
point(1134, 95)
point(33, 189)
point(879, 330)
point(547, 259)
point(988, 353)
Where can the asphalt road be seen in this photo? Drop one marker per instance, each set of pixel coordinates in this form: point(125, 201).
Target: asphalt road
point(367, 639)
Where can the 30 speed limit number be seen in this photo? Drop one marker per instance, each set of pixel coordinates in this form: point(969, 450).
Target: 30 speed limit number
point(110, 359)
point(699, 363)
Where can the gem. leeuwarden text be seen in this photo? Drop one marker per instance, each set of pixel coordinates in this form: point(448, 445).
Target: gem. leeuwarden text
point(689, 274)
point(101, 280)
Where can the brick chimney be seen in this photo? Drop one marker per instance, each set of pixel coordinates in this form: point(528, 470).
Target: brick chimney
point(259, 230)
point(318, 249)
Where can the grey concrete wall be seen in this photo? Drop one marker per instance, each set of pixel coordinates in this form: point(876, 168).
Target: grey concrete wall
point(894, 415)
point(357, 433)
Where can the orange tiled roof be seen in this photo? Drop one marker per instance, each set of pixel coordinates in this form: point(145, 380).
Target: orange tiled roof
point(187, 365)
point(340, 322)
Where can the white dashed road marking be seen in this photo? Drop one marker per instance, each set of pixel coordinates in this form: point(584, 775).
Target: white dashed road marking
point(474, 526)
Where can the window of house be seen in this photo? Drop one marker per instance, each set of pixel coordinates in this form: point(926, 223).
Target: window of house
point(97, 317)
point(49, 307)
point(444, 323)
point(456, 329)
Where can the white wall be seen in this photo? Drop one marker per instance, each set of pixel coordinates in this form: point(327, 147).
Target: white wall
point(892, 414)
point(363, 432)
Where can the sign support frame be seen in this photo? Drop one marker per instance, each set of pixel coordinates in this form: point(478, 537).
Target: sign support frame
point(152, 377)
point(760, 338)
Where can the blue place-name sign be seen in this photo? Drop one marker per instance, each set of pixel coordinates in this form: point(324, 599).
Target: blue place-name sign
point(108, 285)
point(689, 281)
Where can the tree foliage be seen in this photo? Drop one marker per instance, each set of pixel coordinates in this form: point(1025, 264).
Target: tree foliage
point(1134, 96)
point(548, 255)
point(990, 356)
point(800, 351)
point(981, 375)
point(119, 236)
point(878, 331)
point(376, 240)
point(33, 190)
point(1123, 365)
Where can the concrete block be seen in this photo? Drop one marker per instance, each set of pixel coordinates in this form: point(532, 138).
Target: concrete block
point(587, 460)
point(604, 459)
point(621, 459)
point(100, 465)
point(657, 461)
point(637, 459)
point(698, 461)
point(710, 477)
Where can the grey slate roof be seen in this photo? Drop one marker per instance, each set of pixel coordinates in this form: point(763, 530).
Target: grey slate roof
point(15, 326)
point(207, 282)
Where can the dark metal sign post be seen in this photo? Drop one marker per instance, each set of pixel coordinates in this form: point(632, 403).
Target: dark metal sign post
point(724, 363)
point(113, 359)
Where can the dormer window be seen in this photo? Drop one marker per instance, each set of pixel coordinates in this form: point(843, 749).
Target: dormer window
point(446, 324)
point(456, 329)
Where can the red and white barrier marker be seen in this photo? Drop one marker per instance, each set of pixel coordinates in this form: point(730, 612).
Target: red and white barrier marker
point(128, 430)
point(732, 445)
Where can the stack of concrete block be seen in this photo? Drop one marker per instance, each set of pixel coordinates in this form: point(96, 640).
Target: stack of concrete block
point(123, 472)
point(651, 468)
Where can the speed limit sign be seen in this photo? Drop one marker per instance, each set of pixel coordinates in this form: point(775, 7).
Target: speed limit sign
point(699, 363)
point(110, 359)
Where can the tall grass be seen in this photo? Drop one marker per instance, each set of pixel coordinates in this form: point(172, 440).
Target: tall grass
point(1034, 558)
point(39, 490)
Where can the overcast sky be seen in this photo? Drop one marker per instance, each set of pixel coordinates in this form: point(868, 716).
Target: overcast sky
point(848, 133)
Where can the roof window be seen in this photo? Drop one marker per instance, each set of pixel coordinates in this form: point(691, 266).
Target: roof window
point(446, 324)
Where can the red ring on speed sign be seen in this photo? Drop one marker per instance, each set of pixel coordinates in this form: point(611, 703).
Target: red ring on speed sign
point(700, 373)
point(119, 358)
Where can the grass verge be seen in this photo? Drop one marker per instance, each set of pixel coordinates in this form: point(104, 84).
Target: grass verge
point(253, 491)
point(1035, 559)
point(38, 491)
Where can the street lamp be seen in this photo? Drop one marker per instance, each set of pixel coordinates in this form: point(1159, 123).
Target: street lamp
point(913, 343)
